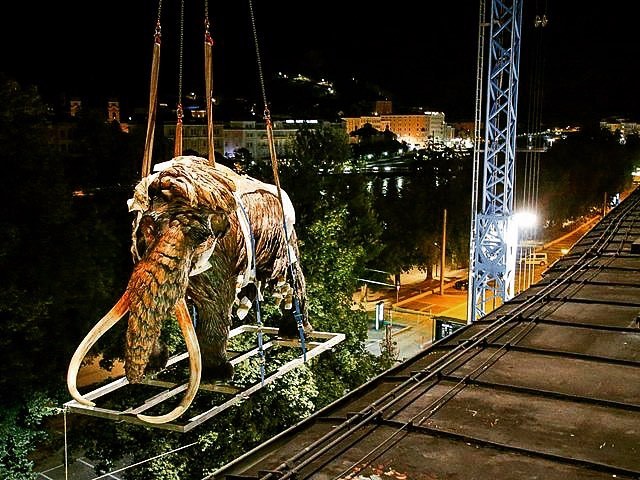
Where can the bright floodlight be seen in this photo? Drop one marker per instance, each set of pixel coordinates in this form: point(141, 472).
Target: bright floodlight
point(526, 219)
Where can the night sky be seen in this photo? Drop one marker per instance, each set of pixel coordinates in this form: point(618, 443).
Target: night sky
point(420, 53)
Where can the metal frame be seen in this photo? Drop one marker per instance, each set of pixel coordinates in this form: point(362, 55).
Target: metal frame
point(495, 238)
point(318, 343)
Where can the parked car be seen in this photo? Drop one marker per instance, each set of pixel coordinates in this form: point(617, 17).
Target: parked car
point(462, 284)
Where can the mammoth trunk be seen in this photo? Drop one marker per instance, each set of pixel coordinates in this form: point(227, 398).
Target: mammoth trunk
point(157, 283)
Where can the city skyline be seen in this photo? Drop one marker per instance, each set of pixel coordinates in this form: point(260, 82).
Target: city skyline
point(427, 58)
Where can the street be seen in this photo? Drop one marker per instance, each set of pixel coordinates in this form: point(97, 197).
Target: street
point(410, 312)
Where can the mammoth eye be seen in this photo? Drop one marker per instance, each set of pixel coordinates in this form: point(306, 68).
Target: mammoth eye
point(148, 228)
point(219, 223)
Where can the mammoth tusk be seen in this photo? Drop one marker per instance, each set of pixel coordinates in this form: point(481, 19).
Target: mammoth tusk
point(195, 367)
point(108, 321)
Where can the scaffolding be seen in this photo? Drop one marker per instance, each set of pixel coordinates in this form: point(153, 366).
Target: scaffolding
point(221, 395)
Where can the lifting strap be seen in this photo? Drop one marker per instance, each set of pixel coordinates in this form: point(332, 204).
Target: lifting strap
point(153, 97)
point(208, 81)
point(153, 92)
point(177, 145)
point(274, 166)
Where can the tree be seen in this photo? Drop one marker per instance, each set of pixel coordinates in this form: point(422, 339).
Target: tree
point(63, 260)
point(35, 219)
point(332, 259)
point(412, 218)
point(311, 172)
point(575, 174)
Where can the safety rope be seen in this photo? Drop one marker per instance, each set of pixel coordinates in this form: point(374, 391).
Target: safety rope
point(177, 147)
point(274, 166)
point(153, 97)
point(66, 446)
point(208, 81)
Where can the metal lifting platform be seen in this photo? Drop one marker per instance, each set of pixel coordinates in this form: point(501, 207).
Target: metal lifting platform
point(220, 396)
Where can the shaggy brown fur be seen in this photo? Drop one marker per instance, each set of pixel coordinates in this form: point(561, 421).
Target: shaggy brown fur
point(182, 211)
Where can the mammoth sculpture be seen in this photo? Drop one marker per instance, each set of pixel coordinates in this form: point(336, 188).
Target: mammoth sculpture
point(211, 235)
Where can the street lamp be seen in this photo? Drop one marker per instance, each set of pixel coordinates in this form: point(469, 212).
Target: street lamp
point(526, 222)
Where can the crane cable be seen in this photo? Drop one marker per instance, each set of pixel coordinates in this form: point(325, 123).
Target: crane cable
point(153, 96)
point(276, 178)
point(535, 141)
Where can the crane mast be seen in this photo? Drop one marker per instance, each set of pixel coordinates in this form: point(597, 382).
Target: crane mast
point(494, 235)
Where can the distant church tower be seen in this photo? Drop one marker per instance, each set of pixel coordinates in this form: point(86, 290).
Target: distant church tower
point(113, 111)
point(75, 106)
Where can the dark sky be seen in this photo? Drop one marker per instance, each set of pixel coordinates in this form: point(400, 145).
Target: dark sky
point(422, 53)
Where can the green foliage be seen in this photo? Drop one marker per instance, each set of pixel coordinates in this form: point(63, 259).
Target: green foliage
point(21, 431)
point(332, 258)
point(61, 260)
point(412, 214)
point(577, 172)
point(62, 264)
point(36, 214)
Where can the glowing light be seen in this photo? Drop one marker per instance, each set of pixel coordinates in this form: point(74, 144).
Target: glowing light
point(525, 219)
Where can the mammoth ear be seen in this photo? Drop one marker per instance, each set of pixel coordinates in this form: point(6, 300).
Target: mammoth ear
point(219, 222)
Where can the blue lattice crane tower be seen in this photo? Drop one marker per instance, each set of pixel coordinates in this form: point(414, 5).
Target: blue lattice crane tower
point(494, 236)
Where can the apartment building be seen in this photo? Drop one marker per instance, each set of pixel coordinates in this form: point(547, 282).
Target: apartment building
point(417, 130)
point(231, 136)
point(621, 125)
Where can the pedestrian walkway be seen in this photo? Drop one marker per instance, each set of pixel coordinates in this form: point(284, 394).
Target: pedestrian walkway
point(410, 311)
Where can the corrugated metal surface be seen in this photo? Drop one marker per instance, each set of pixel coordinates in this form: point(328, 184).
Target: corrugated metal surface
point(545, 387)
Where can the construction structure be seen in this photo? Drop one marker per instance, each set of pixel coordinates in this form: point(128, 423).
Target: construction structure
point(494, 235)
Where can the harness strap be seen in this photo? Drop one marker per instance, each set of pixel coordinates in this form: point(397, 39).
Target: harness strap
point(153, 101)
point(245, 226)
point(296, 300)
point(251, 270)
point(208, 80)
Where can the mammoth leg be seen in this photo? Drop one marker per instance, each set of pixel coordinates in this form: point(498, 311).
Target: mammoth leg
point(158, 358)
point(213, 326)
point(289, 324)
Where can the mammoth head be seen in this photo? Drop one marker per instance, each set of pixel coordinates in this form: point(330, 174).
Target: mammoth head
point(175, 242)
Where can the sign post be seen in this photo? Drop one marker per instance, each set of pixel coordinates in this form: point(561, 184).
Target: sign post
point(379, 314)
